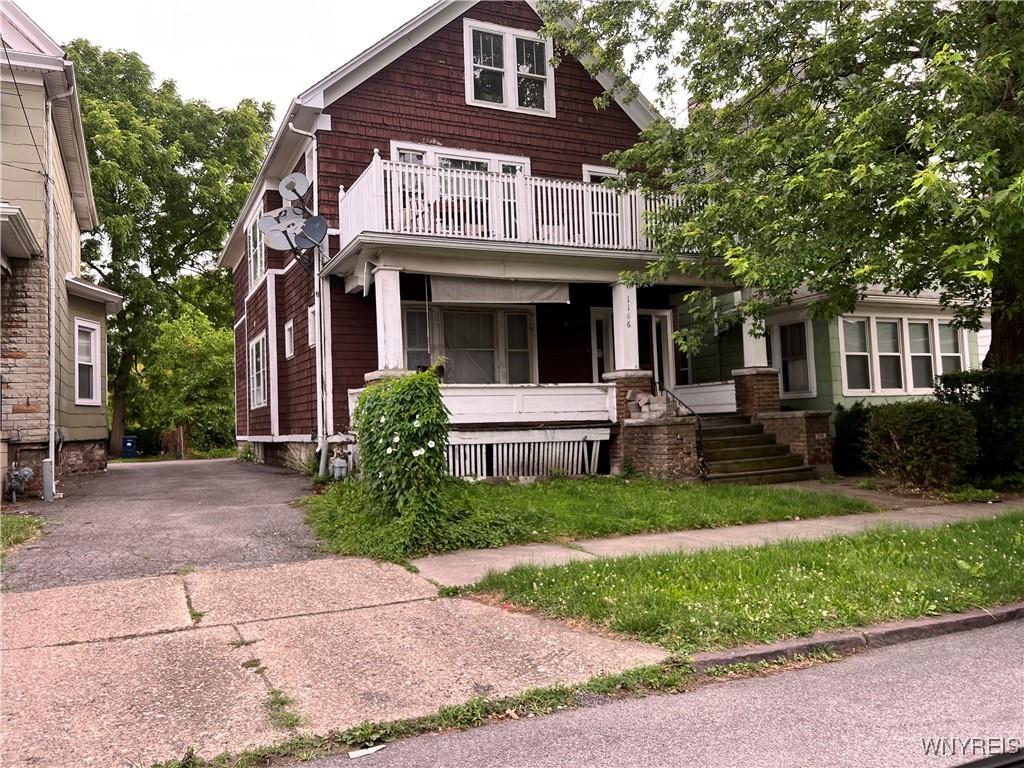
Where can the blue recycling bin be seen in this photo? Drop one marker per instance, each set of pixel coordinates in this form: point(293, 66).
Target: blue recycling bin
point(129, 446)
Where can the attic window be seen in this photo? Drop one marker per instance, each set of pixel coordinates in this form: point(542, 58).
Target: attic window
point(508, 69)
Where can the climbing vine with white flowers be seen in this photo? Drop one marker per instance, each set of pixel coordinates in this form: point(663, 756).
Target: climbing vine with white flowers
point(402, 427)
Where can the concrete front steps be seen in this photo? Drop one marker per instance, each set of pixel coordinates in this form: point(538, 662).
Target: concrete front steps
point(739, 451)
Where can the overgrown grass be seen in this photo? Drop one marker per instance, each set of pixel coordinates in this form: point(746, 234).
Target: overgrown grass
point(17, 529)
point(725, 598)
point(492, 515)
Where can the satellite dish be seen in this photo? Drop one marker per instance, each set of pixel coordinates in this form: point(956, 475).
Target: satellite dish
point(285, 236)
point(294, 186)
point(313, 233)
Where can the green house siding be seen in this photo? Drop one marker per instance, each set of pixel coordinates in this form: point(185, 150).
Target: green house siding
point(79, 422)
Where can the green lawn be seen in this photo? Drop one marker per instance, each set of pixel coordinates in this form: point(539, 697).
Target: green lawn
point(17, 529)
point(725, 598)
point(564, 509)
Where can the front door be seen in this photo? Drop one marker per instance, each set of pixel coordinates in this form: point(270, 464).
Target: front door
point(654, 337)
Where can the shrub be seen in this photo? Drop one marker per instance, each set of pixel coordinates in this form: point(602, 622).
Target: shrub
point(995, 398)
point(402, 428)
point(851, 426)
point(921, 443)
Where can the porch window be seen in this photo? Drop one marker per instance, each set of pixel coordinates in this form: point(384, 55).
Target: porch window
point(517, 343)
point(417, 340)
point(470, 346)
point(479, 346)
point(858, 354)
point(87, 362)
point(793, 354)
point(258, 372)
point(508, 69)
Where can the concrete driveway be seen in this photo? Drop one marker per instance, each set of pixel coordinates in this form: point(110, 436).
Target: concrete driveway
point(148, 519)
point(167, 604)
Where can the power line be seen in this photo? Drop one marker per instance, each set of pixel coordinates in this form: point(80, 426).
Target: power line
point(24, 111)
point(22, 167)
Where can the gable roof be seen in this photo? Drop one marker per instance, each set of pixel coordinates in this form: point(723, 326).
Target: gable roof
point(306, 108)
point(30, 49)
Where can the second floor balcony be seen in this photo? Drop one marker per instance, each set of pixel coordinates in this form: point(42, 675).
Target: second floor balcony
point(396, 198)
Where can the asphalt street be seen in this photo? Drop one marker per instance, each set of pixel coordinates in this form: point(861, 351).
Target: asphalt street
point(878, 708)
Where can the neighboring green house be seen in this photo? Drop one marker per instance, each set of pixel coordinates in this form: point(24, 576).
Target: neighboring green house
point(53, 377)
point(891, 348)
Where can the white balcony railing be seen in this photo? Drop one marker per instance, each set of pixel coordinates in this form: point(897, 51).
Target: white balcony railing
point(402, 198)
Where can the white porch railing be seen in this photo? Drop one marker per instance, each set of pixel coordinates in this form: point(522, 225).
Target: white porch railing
point(715, 397)
point(403, 198)
point(523, 403)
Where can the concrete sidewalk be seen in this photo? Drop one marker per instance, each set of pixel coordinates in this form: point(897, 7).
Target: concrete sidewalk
point(134, 671)
point(466, 567)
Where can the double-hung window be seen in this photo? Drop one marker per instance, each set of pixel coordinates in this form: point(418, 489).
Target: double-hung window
point(949, 348)
point(793, 358)
point(289, 339)
point(87, 363)
point(857, 354)
point(508, 69)
point(258, 371)
point(897, 355)
point(256, 253)
point(890, 354)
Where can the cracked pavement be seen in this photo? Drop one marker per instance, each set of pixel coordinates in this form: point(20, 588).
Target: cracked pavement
point(165, 601)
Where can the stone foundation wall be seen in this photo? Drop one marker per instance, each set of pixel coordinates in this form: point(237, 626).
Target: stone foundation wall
point(805, 433)
point(80, 457)
point(665, 447)
point(757, 390)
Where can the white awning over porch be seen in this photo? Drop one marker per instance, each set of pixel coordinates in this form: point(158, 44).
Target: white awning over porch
point(475, 290)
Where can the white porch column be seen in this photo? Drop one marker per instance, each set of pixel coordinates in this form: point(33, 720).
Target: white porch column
point(624, 327)
point(755, 350)
point(389, 319)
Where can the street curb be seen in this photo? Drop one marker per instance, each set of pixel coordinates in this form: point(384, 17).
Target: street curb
point(845, 641)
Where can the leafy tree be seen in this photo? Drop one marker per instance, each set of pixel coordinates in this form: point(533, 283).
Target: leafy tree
point(211, 292)
point(170, 176)
point(188, 380)
point(831, 146)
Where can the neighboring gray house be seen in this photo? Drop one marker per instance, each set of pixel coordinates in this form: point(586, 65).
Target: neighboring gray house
point(53, 335)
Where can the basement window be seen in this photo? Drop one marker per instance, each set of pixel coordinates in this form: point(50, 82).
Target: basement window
point(508, 69)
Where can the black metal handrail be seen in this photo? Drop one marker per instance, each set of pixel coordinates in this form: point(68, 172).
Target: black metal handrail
point(702, 465)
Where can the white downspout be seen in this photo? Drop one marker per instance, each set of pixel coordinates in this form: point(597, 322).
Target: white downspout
point(50, 483)
point(321, 340)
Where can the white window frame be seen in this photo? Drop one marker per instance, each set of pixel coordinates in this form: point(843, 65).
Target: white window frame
point(510, 86)
point(255, 252)
point(432, 155)
point(872, 317)
point(258, 396)
point(289, 339)
point(435, 321)
point(773, 327)
point(311, 326)
point(589, 171)
point(94, 328)
point(847, 390)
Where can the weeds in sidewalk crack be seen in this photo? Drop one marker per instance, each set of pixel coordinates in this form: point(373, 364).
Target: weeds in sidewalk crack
point(279, 709)
point(241, 643)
